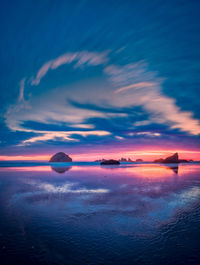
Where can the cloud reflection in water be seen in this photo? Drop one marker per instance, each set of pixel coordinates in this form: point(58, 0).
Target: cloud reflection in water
point(146, 196)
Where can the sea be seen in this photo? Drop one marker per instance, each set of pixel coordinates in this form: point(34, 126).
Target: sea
point(84, 213)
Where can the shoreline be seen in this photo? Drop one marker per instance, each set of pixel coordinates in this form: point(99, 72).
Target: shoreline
point(84, 163)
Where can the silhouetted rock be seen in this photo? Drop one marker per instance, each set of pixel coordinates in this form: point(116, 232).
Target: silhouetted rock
point(139, 160)
point(125, 160)
point(171, 159)
point(183, 161)
point(160, 160)
point(100, 160)
point(60, 157)
point(110, 162)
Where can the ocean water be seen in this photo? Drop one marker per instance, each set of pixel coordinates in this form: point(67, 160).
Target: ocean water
point(88, 214)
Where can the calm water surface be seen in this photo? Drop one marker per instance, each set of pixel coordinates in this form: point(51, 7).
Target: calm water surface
point(130, 214)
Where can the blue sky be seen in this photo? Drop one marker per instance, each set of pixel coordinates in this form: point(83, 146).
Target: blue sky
point(99, 74)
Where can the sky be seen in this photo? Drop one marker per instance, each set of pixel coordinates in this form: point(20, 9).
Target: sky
point(99, 79)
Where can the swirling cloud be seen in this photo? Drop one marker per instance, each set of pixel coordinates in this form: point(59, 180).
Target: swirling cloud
point(139, 87)
point(125, 86)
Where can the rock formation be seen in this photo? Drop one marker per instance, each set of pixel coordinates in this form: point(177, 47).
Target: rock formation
point(122, 159)
point(160, 160)
point(125, 160)
point(171, 159)
point(183, 161)
point(100, 160)
point(110, 162)
point(60, 157)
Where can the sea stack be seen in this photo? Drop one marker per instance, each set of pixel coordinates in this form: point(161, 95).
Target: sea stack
point(170, 160)
point(60, 157)
point(110, 162)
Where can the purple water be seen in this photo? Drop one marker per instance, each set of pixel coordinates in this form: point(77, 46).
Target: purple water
point(75, 214)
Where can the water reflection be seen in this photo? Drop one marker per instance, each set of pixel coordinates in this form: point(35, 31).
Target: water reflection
point(134, 203)
point(174, 168)
point(59, 169)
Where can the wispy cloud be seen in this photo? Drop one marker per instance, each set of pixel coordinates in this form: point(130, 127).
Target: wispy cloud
point(145, 133)
point(65, 136)
point(21, 89)
point(136, 86)
point(81, 58)
point(128, 86)
point(139, 87)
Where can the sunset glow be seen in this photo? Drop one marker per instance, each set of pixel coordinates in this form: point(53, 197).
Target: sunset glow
point(92, 156)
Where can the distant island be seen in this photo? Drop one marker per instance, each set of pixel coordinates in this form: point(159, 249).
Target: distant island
point(120, 160)
point(171, 159)
point(60, 157)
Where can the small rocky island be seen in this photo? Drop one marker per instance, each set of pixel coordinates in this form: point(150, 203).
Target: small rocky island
point(171, 159)
point(60, 157)
point(121, 160)
point(126, 160)
point(110, 162)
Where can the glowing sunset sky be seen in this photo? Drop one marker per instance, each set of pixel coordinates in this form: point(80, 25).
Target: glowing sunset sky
point(99, 79)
